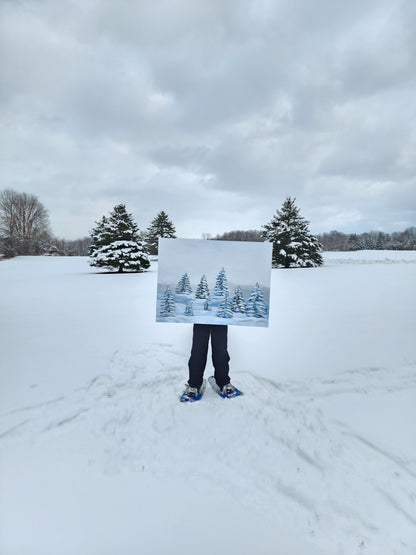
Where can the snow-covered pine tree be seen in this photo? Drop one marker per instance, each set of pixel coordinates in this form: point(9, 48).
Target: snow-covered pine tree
point(167, 304)
point(189, 309)
point(100, 235)
point(184, 285)
point(224, 310)
point(293, 244)
point(116, 244)
point(202, 291)
point(160, 226)
point(221, 286)
point(256, 307)
point(238, 303)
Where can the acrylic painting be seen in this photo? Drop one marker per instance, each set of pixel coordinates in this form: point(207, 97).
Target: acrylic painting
point(214, 282)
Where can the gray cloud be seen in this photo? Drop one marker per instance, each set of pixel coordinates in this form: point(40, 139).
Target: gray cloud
point(213, 111)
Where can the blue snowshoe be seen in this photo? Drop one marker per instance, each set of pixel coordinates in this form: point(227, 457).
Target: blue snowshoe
point(192, 394)
point(227, 392)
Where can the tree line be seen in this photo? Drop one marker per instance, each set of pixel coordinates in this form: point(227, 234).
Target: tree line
point(117, 243)
point(338, 241)
point(240, 235)
point(25, 230)
point(373, 240)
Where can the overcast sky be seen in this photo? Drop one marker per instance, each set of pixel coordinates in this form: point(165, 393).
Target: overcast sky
point(213, 111)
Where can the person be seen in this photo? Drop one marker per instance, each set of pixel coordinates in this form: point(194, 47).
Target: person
point(198, 358)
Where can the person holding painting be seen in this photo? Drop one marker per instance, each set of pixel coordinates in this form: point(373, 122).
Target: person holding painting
point(192, 264)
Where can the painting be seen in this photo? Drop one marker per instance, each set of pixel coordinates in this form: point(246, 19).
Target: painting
point(214, 282)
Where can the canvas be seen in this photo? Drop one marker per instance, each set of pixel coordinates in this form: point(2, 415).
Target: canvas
point(214, 282)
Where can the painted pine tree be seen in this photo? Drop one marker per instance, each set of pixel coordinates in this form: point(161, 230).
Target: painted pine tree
point(208, 304)
point(293, 244)
point(202, 291)
point(116, 244)
point(221, 286)
point(256, 307)
point(167, 304)
point(238, 303)
point(160, 226)
point(224, 309)
point(189, 309)
point(184, 285)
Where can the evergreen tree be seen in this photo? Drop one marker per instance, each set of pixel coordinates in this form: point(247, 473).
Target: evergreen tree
point(238, 304)
point(100, 235)
point(224, 310)
point(202, 291)
point(184, 285)
point(189, 309)
point(167, 304)
point(116, 244)
point(208, 304)
point(160, 226)
point(293, 244)
point(221, 286)
point(256, 307)
point(353, 242)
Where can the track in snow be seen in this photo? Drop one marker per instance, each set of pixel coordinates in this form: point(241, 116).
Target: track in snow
point(273, 449)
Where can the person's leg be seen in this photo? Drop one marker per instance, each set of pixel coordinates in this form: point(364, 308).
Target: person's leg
point(199, 351)
point(220, 356)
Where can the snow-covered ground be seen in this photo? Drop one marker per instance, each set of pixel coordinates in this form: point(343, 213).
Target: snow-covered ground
point(98, 457)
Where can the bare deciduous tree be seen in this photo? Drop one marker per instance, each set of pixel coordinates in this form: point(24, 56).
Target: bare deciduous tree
point(24, 224)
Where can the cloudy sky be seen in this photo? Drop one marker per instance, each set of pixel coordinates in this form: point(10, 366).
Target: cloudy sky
point(211, 110)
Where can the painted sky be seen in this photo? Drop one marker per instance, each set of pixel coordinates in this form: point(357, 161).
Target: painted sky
point(214, 111)
point(245, 263)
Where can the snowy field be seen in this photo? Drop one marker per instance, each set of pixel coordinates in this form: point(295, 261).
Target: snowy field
point(98, 457)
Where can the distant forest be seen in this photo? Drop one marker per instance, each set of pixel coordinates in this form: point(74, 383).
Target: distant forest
point(337, 241)
point(238, 235)
point(25, 230)
point(65, 247)
point(332, 241)
point(373, 240)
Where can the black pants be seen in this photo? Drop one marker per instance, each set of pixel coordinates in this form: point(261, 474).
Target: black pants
point(199, 352)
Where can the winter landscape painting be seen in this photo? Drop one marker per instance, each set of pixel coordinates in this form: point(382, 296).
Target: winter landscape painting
point(213, 282)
